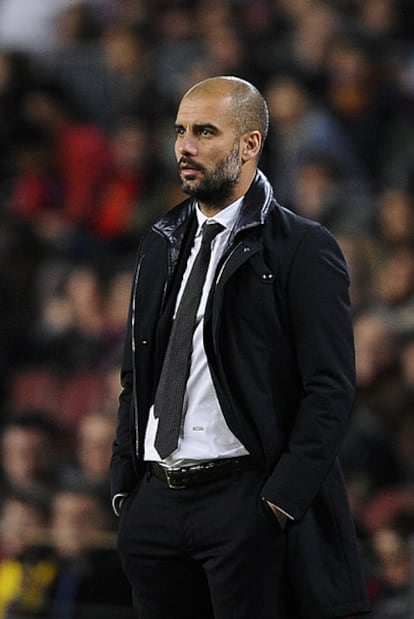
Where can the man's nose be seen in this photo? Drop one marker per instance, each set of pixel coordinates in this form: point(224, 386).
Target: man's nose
point(187, 145)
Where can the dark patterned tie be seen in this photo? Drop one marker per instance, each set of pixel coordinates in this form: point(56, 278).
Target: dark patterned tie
point(169, 397)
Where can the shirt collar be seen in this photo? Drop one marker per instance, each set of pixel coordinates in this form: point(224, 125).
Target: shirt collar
point(226, 217)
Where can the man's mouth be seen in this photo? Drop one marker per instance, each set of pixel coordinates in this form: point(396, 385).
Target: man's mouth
point(188, 172)
point(188, 168)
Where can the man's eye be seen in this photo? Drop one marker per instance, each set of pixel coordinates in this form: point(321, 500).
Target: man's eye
point(205, 132)
point(179, 131)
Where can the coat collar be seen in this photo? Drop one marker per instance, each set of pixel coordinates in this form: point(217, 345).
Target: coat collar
point(257, 202)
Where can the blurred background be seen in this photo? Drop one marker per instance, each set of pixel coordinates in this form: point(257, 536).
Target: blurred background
point(88, 95)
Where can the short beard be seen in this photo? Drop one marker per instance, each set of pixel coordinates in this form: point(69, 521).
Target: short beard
point(218, 185)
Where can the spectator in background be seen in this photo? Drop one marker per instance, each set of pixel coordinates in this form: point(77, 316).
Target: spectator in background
point(20, 248)
point(180, 47)
point(369, 460)
point(358, 94)
point(93, 449)
point(80, 154)
point(226, 52)
point(298, 128)
point(81, 317)
point(36, 186)
point(395, 215)
point(79, 575)
point(26, 567)
point(316, 26)
point(126, 204)
point(377, 373)
point(393, 546)
point(380, 18)
point(115, 310)
point(120, 62)
point(325, 192)
point(69, 334)
point(29, 454)
point(361, 252)
point(111, 383)
point(89, 582)
point(14, 81)
point(127, 64)
point(396, 286)
point(122, 191)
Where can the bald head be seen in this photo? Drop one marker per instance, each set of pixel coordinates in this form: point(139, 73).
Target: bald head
point(247, 107)
point(220, 127)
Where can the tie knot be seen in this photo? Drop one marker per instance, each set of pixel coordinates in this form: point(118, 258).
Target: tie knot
point(209, 231)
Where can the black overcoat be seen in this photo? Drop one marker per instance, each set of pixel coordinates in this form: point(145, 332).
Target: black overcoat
point(278, 337)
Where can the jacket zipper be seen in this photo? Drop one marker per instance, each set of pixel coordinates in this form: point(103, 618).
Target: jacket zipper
point(218, 278)
point(164, 292)
point(134, 377)
point(225, 263)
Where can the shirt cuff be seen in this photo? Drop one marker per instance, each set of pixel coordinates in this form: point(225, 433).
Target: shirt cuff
point(117, 501)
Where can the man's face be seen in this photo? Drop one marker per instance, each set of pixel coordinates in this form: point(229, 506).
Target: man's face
point(207, 149)
point(27, 456)
point(76, 523)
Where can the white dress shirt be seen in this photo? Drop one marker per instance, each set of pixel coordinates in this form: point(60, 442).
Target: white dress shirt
point(204, 433)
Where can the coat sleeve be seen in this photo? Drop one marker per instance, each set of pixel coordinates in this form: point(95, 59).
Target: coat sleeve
point(123, 466)
point(319, 310)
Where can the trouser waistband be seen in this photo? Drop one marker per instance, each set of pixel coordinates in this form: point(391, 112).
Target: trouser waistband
point(189, 476)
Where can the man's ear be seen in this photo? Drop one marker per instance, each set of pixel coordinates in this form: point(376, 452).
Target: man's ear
point(251, 144)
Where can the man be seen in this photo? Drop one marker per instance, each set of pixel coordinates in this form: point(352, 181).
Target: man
point(28, 448)
point(238, 508)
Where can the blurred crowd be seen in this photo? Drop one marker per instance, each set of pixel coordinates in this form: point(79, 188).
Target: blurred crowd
point(88, 94)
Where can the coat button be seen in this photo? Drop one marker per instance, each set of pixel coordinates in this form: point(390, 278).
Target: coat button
point(144, 342)
point(267, 276)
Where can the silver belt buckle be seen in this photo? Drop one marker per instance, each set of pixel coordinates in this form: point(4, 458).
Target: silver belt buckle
point(170, 481)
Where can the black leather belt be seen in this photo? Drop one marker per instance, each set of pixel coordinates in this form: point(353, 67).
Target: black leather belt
point(202, 473)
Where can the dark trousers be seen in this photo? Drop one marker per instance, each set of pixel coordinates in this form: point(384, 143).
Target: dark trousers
point(215, 551)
